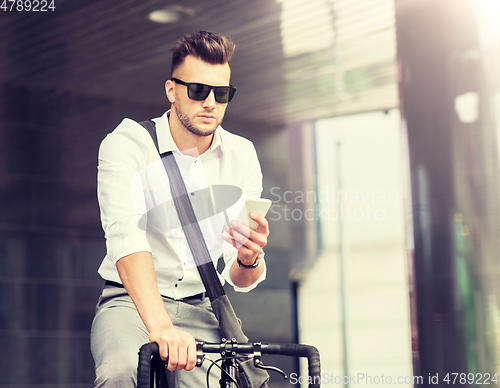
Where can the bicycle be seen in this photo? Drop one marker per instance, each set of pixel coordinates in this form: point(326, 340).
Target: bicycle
point(150, 363)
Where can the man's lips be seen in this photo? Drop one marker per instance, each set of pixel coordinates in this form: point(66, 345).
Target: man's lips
point(207, 117)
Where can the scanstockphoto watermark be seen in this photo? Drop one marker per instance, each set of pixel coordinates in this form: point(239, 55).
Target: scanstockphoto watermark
point(330, 205)
point(330, 195)
point(355, 379)
point(283, 212)
point(452, 378)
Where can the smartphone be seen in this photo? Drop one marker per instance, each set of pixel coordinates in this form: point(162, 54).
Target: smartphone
point(259, 206)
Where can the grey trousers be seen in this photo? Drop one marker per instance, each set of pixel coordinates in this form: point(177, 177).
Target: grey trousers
point(118, 333)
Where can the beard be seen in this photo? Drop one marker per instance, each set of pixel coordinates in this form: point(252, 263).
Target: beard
point(195, 130)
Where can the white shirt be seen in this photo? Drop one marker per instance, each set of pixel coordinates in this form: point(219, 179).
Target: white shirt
point(137, 211)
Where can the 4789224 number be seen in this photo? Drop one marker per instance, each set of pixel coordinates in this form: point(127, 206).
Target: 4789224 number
point(471, 378)
point(28, 5)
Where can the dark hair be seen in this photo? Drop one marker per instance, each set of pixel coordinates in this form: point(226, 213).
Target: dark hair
point(207, 46)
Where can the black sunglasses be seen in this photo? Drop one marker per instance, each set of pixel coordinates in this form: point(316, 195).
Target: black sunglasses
point(200, 92)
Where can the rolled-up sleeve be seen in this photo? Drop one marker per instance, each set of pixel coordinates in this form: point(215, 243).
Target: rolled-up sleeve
point(122, 197)
point(229, 260)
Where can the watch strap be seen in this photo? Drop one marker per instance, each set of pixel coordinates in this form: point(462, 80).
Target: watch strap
point(255, 264)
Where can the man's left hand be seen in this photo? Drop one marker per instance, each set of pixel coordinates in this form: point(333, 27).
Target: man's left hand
point(247, 241)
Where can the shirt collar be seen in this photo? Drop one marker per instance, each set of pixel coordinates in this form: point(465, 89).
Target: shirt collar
point(217, 140)
point(166, 141)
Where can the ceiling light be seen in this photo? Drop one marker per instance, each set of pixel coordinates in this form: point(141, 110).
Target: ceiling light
point(171, 14)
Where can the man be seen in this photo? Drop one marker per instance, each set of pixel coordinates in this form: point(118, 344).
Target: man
point(153, 291)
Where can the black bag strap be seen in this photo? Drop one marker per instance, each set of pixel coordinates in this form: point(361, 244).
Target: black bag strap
point(189, 222)
point(151, 128)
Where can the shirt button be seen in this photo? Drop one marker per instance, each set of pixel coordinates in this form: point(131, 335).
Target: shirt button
point(176, 285)
point(192, 193)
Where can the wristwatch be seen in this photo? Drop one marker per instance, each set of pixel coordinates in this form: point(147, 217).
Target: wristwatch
point(255, 264)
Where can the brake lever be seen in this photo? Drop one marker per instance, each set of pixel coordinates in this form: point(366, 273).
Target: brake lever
point(257, 360)
point(269, 367)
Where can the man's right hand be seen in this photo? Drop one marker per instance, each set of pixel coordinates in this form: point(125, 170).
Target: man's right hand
point(138, 275)
point(177, 347)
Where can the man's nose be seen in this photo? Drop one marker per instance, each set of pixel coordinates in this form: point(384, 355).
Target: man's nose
point(210, 100)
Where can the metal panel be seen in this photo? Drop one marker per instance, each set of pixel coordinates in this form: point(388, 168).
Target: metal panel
point(447, 89)
point(111, 49)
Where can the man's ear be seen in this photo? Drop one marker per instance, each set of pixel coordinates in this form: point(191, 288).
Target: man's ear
point(170, 90)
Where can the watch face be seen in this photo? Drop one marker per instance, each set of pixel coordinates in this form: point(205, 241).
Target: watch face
point(258, 259)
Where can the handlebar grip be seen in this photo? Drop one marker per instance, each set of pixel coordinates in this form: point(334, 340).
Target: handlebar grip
point(299, 350)
point(144, 369)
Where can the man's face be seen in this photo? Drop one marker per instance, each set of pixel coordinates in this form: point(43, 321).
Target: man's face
point(199, 117)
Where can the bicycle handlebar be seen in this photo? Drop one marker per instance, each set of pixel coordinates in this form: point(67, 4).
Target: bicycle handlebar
point(295, 350)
